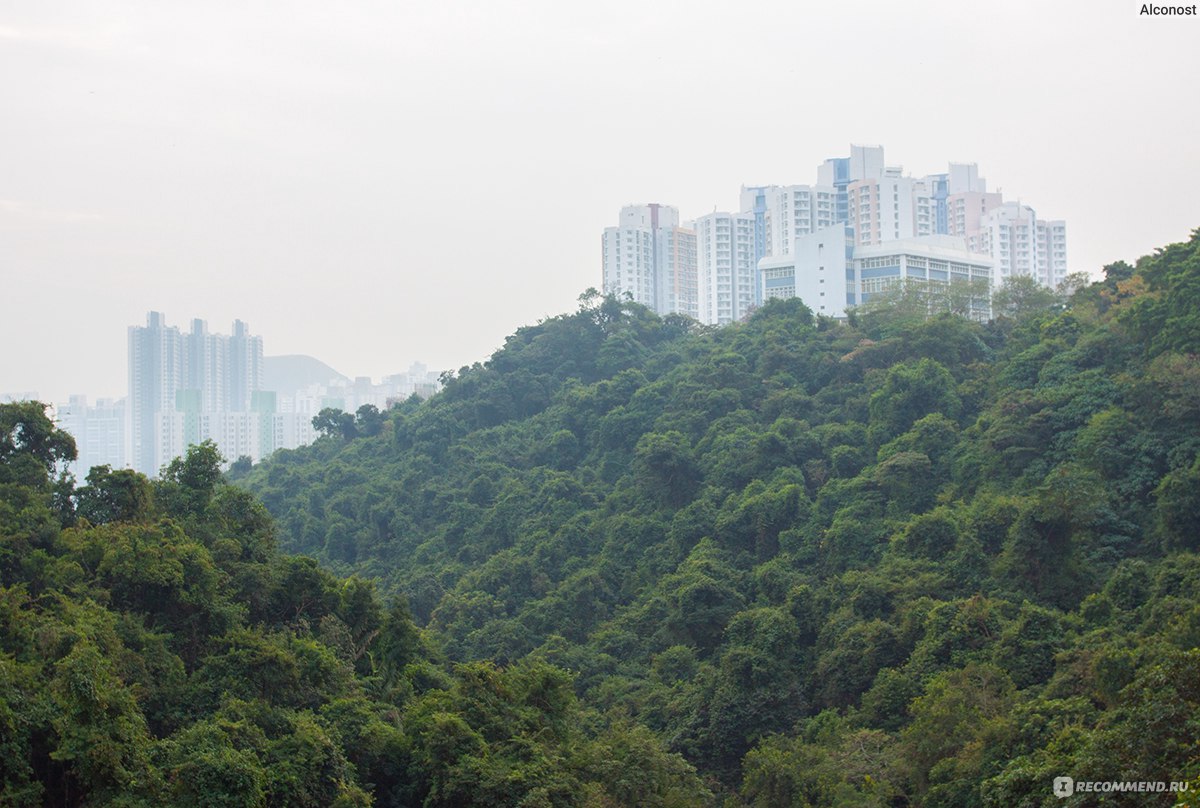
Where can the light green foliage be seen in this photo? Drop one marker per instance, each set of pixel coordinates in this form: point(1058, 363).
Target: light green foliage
point(1022, 296)
point(1169, 317)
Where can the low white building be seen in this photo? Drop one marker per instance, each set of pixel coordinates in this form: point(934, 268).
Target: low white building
point(936, 262)
point(830, 274)
point(815, 271)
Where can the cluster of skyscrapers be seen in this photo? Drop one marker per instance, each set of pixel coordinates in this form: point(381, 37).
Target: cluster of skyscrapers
point(189, 386)
point(861, 229)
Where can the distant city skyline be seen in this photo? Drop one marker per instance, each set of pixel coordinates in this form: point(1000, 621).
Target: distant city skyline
point(370, 184)
point(187, 385)
point(23, 394)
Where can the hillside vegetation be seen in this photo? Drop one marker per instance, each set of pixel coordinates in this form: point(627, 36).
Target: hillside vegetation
point(156, 649)
point(633, 562)
point(899, 560)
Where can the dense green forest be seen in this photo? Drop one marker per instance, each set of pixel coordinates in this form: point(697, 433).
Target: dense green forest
point(630, 561)
point(900, 560)
point(157, 649)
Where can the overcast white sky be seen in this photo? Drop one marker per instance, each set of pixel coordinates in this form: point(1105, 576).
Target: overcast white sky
point(373, 183)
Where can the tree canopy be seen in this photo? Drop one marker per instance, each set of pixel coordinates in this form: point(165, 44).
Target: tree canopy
point(905, 559)
point(630, 560)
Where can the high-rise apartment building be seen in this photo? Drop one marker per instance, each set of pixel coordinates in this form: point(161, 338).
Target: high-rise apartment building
point(792, 211)
point(99, 432)
point(888, 208)
point(727, 272)
point(1021, 244)
point(245, 363)
point(156, 374)
point(1052, 251)
point(864, 163)
point(649, 258)
point(754, 200)
point(178, 381)
point(629, 250)
point(675, 268)
point(966, 211)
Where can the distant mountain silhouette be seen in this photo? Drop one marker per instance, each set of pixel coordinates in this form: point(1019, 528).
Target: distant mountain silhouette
point(286, 374)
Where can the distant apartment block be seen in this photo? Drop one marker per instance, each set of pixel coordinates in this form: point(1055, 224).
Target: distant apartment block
point(1023, 244)
point(889, 208)
point(178, 381)
point(966, 212)
point(99, 432)
point(727, 271)
point(629, 259)
point(792, 211)
point(651, 260)
point(678, 286)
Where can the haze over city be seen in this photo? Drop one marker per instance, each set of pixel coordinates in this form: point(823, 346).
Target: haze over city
point(373, 184)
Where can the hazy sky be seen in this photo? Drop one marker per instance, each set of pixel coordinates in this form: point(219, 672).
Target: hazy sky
point(377, 182)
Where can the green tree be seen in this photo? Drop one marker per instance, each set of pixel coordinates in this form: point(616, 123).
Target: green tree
point(664, 464)
point(102, 735)
point(368, 420)
point(909, 392)
point(188, 483)
point(1022, 296)
point(31, 446)
point(1178, 508)
point(123, 495)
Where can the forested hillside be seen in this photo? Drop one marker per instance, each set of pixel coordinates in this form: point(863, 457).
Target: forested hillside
point(156, 649)
point(792, 562)
point(899, 560)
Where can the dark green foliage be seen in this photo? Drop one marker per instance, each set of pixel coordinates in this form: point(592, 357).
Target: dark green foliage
point(159, 651)
point(964, 542)
point(29, 443)
point(114, 496)
point(911, 391)
point(1178, 507)
point(664, 463)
